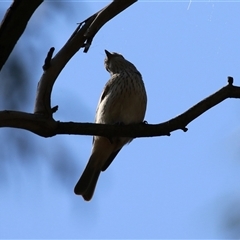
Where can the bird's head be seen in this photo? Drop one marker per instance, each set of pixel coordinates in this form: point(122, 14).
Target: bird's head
point(115, 63)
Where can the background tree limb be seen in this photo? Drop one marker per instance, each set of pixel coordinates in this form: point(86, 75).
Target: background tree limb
point(14, 24)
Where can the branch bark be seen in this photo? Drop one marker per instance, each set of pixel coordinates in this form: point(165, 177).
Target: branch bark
point(45, 127)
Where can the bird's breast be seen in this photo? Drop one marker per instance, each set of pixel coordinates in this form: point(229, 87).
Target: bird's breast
point(125, 101)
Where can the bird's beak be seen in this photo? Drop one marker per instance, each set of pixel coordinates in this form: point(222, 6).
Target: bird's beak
point(109, 55)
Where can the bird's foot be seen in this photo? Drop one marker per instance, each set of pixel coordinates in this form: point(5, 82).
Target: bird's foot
point(117, 124)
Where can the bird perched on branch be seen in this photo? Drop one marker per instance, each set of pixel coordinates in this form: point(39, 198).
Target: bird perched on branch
point(123, 101)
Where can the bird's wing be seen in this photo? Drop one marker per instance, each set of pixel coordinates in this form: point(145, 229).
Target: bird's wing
point(109, 160)
point(102, 96)
point(105, 92)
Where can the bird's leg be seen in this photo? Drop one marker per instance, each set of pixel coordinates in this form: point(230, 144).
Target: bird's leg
point(110, 140)
point(118, 124)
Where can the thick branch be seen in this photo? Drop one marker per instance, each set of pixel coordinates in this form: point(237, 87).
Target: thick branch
point(46, 127)
point(82, 37)
point(14, 24)
point(32, 122)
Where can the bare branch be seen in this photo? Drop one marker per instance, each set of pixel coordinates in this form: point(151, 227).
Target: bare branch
point(104, 16)
point(150, 130)
point(42, 123)
point(14, 24)
point(47, 127)
point(82, 37)
point(35, 123)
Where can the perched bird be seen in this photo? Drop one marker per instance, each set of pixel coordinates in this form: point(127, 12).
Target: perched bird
point(124, 101)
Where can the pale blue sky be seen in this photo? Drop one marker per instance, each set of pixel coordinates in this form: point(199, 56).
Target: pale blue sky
point(181, 186)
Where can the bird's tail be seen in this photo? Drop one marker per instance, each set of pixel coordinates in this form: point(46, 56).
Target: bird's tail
point(87, 182)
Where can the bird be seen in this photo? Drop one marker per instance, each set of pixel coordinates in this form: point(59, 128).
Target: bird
point(123, 101)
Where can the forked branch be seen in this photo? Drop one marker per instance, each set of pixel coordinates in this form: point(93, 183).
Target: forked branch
point(81, 38)
point(41, 121)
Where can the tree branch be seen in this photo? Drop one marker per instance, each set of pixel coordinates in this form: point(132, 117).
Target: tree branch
point(82, 37)
point(46, 127)
point(14, 24)
point(103, 16)
point(42, 123)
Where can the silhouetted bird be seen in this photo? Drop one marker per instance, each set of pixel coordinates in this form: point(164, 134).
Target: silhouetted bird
point(123, 100)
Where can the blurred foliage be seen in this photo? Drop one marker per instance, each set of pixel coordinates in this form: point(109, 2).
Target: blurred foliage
point(17, 92)
point(231, 219)
point(14, 83)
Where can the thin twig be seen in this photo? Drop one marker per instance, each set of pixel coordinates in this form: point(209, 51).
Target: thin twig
point(47, 62)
